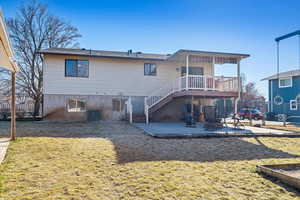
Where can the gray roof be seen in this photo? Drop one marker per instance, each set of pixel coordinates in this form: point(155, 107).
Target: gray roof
point(213, 53)
point(284, 75)
point(102, 53)
point(133, 55)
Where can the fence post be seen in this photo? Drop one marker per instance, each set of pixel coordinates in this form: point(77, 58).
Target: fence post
point(263, 121)
point(130, 110)
point(284, 120)
point(251, 118)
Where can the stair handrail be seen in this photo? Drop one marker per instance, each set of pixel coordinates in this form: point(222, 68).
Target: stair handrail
point(163, 92)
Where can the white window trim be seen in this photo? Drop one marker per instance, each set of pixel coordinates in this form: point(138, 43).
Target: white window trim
point(297, 97)
point(287, 78)
point(291, 108)
point(77, 109)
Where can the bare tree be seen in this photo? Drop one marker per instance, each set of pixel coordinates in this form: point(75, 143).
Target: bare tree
point(4, 82)
point(31, 30)
point(251, 98)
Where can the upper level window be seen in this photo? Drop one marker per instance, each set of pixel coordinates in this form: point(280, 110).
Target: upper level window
point(76, 68)
point(285, 82)
point(150, 69)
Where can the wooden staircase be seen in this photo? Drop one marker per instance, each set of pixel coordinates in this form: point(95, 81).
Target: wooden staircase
point(213, 86)
point(161, 103)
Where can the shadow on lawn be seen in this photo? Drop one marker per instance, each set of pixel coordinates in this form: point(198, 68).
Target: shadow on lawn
point(201, 150)
point(132, 145)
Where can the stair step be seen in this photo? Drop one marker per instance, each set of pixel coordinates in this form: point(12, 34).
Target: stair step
point(138, 118)
point(161, 104)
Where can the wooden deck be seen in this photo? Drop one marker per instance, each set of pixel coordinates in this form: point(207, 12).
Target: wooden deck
point(206, 93)
point(195, 93)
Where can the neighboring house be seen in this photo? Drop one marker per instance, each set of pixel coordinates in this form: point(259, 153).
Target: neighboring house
point(156, 85)
point(284, 94)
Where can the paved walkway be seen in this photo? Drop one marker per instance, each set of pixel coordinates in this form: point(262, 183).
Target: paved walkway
point(4, 142)
point(160, 129)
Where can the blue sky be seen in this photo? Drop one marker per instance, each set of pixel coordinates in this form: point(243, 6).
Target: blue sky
point(164, 26)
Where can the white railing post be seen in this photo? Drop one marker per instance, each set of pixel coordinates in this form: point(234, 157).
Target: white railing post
point(173, 87)
point(187, 73)
point(213, 72)
point(146, 107)
point(130, 110)
point(204, 84)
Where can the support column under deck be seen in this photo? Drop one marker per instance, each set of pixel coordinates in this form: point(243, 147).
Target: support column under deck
point(239, 87)
point(187, 73)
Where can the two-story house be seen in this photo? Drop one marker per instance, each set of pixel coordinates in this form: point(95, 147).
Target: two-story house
point(284, 94)
point(155, 85)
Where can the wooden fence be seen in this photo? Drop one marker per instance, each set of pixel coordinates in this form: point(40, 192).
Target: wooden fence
point(20, 108)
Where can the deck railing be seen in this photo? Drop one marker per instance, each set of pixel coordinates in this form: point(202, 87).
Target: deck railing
point(194, 82)
point(191, 82)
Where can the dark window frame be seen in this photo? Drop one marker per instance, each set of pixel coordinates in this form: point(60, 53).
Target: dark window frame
point(145, 69)
point(183, 70)
point(118, 104)
point(77, 75)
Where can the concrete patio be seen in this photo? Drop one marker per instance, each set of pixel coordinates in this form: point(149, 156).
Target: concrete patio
point(178, 129)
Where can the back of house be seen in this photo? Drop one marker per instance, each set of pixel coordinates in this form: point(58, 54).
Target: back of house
point(158, 86)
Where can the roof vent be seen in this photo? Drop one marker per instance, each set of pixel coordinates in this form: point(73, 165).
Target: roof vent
point(129, 51)
point(83, 49)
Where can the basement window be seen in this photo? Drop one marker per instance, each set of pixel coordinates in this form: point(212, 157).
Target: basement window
point(285, 82)
point(76, 105)
point(118, 104)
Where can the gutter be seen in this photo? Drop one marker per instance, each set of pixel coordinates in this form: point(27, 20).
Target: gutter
point(100, 56)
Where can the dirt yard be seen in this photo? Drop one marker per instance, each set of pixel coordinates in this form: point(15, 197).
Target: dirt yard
point(113, 160)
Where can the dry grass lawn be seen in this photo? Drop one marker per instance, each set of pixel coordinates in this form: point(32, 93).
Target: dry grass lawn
point(116, 161)
point(288, 127)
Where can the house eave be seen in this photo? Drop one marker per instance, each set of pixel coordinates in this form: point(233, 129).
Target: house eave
point(100, 56)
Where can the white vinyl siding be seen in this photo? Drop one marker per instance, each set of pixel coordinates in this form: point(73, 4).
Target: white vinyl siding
point(123, 77)
point(150, 69)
